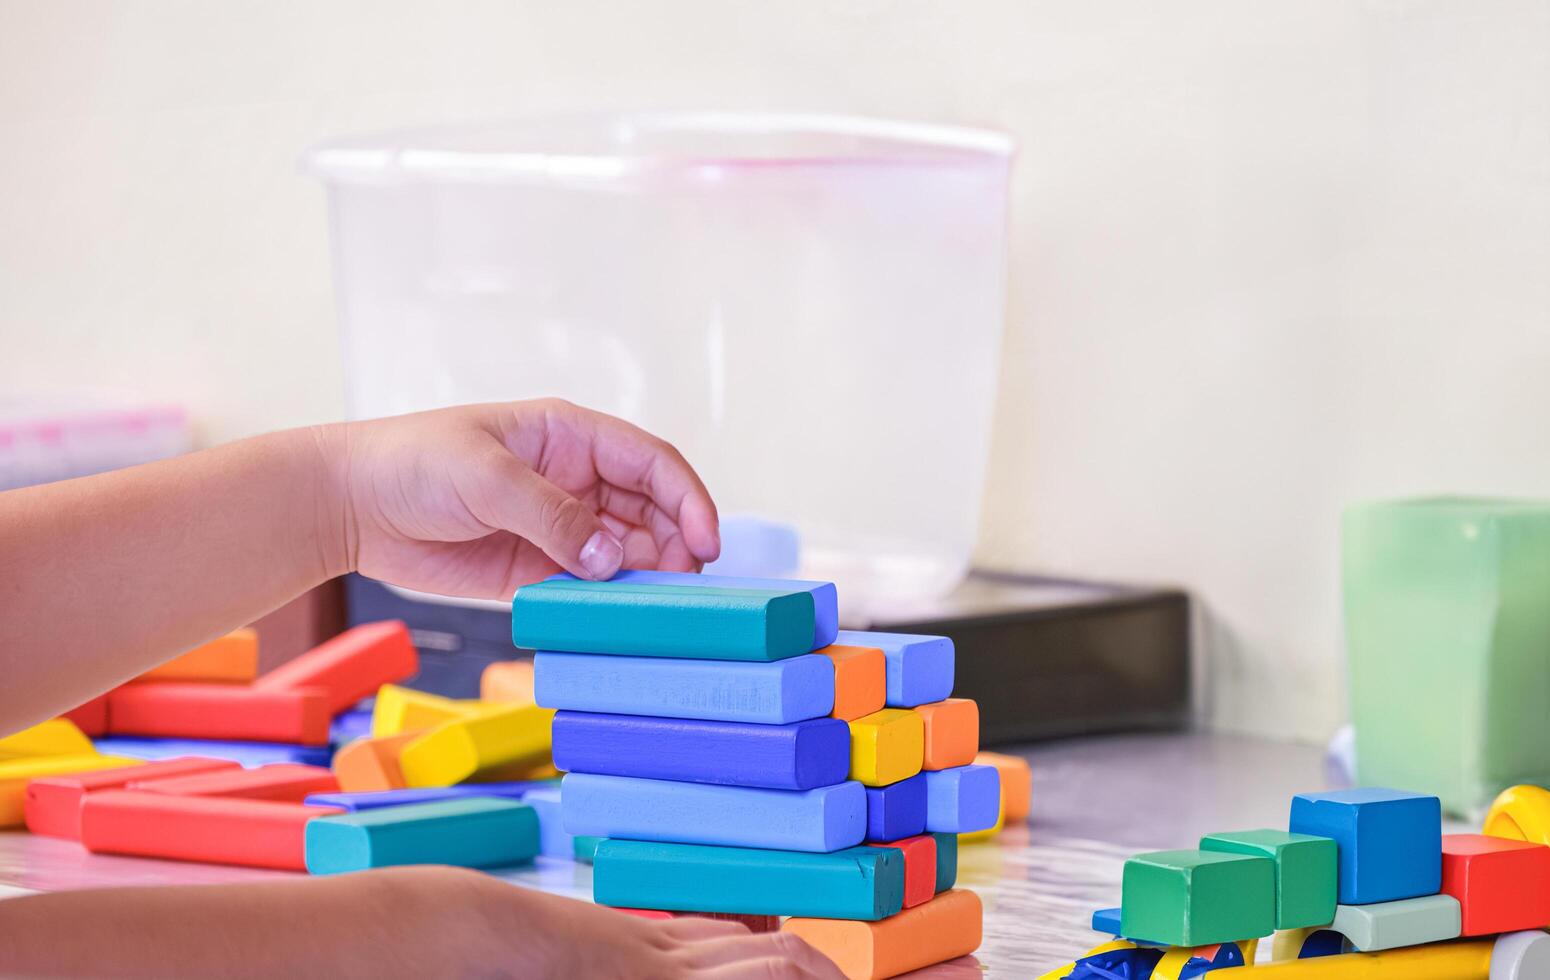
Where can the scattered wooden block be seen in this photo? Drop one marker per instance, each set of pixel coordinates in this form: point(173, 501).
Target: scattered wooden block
point(57, 736)
point(212, 829)
point(1501, 885)
point(826, 612)
point(860, 680)
point(919, 868)
point(229, 659)
point(767, 694)
point(1390, 841)
point(1305, 872)
point(369, 765)
point(17, 773)
point(283, 782)
point(349, 666)
point(507, 682)
point(473, 832)
point(886, 746)
point(856, 883)
point(463, 749)
point(683, 622)
point(244, 753)
point(952, 732)
point(964, 799)
point(801, 755)
point(53, 807)
point(553, 840)
point(824, 819)
point(219, 711)
point(897, 810)
point(1391, 925)
point(946, 861)
point(356, 802)
point(1195, 898)
point(403, 710)
point(92, 717)
point(1016, 783)
point(920, 668)
point(944, 928)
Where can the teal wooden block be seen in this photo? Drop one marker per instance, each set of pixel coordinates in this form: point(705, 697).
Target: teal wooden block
point(471, 832)
point(686, 622)
point(1306, 868)
point(946, 861)
point(856, 883)
point(1197, 898)
point(1392, 925)
point(585, 847)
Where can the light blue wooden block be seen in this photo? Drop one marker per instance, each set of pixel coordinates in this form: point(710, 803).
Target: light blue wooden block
point(685, 622)
point(856, 883)
point(473, 832)
point(920, 668)
point(1407, 922)
point(764, 693)
point(356, 802)
point(963, 799)
point(553, 840)
point(826, 614)
point(823, 819)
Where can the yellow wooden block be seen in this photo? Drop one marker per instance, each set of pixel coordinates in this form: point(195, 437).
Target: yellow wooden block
point(886, 746)
point(507, 682)
point(15, 774)
point(459, 750)
point(57, 736)
point(400, 709)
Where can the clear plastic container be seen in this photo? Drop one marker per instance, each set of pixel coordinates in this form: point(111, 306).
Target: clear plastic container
point(809, 307)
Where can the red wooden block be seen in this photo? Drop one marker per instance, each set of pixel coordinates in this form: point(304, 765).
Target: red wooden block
point(213, 829)
point(919, 868)
point(285, 782)
point(91, 717)
point(647, 913)
point(185, 709)
point(54, 803)
point(350, 666)
point(1502, 885)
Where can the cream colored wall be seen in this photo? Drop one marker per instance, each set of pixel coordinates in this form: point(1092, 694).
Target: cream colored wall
point(1268, 256)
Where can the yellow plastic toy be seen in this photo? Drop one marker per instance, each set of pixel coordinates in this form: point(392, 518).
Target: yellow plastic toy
point(1520, 813)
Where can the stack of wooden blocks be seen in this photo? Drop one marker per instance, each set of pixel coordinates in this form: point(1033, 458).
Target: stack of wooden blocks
point(734, 753)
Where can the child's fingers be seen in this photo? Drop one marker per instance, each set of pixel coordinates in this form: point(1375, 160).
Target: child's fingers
point(695, 927)
point(512, 497)
point(766, 969)
point(764, 946)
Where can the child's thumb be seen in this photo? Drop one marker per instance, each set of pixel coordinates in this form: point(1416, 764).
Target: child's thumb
point(567, 530)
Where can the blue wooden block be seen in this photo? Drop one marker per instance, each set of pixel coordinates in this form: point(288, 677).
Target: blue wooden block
point(823, 819)
point(920, 668)
point(896, 811)
point(686, 622)
point(826, 612)
point(553, 841)
point(963, 799)
point(946, 861)
point(356, 802)
point(349, 726)
point(856, 883)
point(801, 755)
point(1106, 921)
point(1390, 841)
point(766, 694)
point(247, 753)
point(473, 832)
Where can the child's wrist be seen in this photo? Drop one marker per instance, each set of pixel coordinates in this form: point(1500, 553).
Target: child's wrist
point(333, 519)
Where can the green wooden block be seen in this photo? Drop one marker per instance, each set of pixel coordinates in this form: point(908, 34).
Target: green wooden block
point(946, 861)
point(1197, 898)
point(856, 883)
point(681, 621)
point(1306, 871)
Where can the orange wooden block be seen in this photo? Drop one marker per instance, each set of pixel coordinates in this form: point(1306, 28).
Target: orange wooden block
point(54, 803)
point(213, 829)
point(181, 709)
point(92, 717)
point(507, 682)
point(284, 782)
point(1016, 783)
point(368, 765)
point(952, 732)
point(919, 868)
point(944, 928)
point(350, 666)
point(860, 680)
point(230, 659)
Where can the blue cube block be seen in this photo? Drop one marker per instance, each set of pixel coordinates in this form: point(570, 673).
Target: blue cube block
point(963, 799)
point(896, 811)
point(920, 668)
point(1390, 841)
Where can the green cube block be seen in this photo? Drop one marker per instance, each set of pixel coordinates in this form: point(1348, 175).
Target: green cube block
point(1196, 898)
point(1306, 871)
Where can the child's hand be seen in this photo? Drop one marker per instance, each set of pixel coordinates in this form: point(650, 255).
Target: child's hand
point(480, 499)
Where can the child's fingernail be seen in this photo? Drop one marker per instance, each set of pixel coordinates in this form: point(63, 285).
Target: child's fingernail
point(602, 555)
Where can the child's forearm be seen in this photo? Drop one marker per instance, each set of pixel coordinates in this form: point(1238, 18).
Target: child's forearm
point(104, 577)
